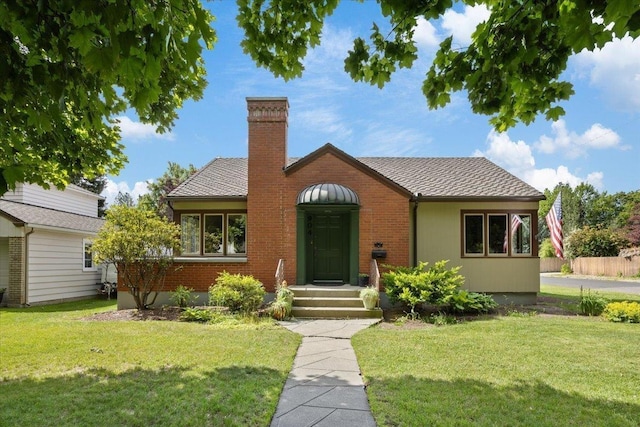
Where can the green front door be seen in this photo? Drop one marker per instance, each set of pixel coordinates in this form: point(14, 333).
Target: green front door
point(328, 247)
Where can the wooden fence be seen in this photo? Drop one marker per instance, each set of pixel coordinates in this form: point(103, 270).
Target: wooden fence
point(605, 266)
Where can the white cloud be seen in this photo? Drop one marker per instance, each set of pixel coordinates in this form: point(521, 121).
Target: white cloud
point(325, 120)
point(615, 69)
point(384, 140)
point(462, 25)
point(425, 34)
point(575, 145)
point(140, 131)
point(517, 158)
point(333, 48)
point(112, 189)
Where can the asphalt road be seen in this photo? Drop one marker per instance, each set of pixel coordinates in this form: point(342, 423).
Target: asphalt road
point(627, 286)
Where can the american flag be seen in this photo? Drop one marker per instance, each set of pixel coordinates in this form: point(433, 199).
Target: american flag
point(554, 222)
point(515, 223)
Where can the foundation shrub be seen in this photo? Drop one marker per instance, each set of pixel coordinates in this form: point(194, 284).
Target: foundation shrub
point(419, 285)
point(194, 314)
point(182, 296)
point(625, 311)
point(463, 302)
point(239, 293)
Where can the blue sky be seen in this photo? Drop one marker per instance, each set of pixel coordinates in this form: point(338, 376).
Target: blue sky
point(597, 141)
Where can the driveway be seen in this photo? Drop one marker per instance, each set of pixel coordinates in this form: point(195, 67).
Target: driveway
point(627, 286)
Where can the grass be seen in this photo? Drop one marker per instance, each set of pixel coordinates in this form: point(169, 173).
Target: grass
point(512, 371)
point(57, 369)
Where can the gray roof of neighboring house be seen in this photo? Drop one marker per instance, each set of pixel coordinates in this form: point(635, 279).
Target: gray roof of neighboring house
point(427, 177)
point(39, 216)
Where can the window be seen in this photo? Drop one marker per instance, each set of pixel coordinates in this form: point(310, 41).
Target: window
point(221, 234)
point(190, 226)
point(236, 234)
point(87, 256)
point(520, 234)
point(497, 234)
point(474, 235)
point(213, 235)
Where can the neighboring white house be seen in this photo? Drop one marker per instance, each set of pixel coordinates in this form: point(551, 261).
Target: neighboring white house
point(45, 244)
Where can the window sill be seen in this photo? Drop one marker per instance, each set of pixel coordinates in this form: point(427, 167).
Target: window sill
point(210, 260)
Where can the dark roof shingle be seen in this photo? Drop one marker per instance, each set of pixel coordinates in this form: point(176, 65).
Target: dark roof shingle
point(36, 215)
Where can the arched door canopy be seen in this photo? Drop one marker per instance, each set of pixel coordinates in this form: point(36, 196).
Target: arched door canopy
point(327, 194)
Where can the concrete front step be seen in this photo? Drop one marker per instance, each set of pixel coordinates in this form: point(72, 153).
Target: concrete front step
point(355, 302)
point(336, 313)
point(335, 302)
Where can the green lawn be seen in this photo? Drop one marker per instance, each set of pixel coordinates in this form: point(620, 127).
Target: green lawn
point(504, 371)
point(59, 370)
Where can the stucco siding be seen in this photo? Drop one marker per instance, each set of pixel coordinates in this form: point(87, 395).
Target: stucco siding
point(70, 200)
point(7, 229)
point(208, 205)
point(55, 268)
point(439, 237)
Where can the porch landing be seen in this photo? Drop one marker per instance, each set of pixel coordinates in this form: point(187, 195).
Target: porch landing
point(330, 302)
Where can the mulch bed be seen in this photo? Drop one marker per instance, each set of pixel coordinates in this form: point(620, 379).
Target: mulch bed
point(546, 306)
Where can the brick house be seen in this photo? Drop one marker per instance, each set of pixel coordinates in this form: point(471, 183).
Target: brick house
point(328, 213)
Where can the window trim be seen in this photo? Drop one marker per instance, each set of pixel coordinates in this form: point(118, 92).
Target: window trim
point(485, 233)
point(182, 251)
point(93, 267)
point(225, 215)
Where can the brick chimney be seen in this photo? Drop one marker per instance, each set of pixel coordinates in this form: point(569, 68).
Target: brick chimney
point(268, 125)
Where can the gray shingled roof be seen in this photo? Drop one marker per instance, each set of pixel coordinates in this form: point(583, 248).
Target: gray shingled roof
point(431, 177)
point(451, 177)
point(36, 215)
point(219, 178)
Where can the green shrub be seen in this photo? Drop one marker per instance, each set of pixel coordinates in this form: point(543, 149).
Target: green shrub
point(192, 314)
point(440, 319)
point(239, 293)
point(566, 269)
point(546, 249)
point(625, 311)
point(470, 302)
point(280, 309)
point(595, 242)
point(415, 286)
point(182, 296)
point(285, 294)
point(591, 304)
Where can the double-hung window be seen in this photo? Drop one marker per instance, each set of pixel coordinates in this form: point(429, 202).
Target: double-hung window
point(214, 234)
point(87, 256)
point(497, 234)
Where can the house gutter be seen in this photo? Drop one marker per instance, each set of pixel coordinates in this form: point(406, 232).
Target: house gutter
point(414, 199)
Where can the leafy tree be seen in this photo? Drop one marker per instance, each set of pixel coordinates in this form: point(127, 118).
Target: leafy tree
point(141, 246)
point(632, 228)
point(510, 71)
point(594, 242)
point(95, 185)
point(156, 199)
point(124, 199)
point(69, 68)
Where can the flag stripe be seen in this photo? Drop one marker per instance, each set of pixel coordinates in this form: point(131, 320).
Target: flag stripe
point(554, 222)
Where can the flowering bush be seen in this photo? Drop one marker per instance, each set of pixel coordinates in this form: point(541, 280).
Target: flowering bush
point(625, 311)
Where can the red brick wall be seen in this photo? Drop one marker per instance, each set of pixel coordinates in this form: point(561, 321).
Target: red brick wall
point(384, 213)
point(271, 205)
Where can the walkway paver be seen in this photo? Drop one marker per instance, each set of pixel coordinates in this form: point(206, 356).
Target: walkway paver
point(325, 387)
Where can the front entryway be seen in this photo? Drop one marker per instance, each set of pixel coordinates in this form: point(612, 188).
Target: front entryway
point(327, 235)
point(328, 248)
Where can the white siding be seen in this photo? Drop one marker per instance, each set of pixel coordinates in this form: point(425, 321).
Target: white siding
point(55, 267)
point(4, 262)
point(73, 199)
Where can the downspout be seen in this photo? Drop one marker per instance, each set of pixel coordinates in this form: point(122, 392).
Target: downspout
point(415, 229)
point(23, 299)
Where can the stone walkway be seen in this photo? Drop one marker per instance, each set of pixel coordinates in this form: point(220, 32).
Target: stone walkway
point(325, 387)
